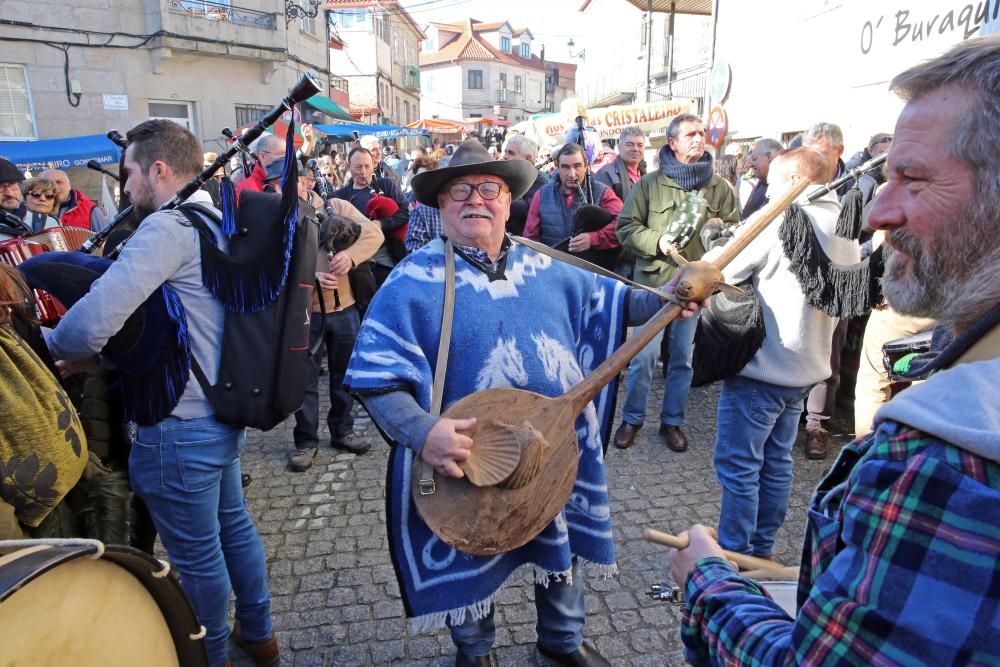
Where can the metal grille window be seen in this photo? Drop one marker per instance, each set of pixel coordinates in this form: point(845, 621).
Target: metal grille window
point(17, 112)
point(247, 114)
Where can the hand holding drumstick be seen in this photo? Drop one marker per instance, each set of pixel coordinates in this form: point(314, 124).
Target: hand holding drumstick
point(700, 542)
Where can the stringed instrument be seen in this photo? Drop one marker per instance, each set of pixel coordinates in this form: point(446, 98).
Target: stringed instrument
point(499, 516)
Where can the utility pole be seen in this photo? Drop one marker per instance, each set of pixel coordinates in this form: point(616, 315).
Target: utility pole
point(649, 50)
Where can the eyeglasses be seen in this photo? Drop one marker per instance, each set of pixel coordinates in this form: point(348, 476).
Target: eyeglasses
point(39, 195)
point(487, 190)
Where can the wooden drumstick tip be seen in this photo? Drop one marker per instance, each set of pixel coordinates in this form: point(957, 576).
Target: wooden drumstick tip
point(744, 561)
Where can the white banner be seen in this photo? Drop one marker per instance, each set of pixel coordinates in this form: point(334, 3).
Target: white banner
point(610, 121)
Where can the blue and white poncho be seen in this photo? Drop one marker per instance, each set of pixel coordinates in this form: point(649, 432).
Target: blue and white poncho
point(541, 327)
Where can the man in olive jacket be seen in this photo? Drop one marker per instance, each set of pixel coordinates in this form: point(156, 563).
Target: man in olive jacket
point(650, 226)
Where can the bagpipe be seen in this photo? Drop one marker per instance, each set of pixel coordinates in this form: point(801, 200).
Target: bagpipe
point(336, 232)
point(731, 330)
point(152, 350)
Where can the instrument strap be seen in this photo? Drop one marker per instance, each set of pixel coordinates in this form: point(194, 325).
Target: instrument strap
point(426, 483)
point(322, 313)
point(585, 265)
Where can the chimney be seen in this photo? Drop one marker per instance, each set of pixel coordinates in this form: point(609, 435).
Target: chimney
point(543, 54)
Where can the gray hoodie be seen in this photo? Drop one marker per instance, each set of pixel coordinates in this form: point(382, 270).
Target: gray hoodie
point(959, 405)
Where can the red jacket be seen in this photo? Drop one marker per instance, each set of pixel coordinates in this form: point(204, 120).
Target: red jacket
point(78, 215)
point(255, 181)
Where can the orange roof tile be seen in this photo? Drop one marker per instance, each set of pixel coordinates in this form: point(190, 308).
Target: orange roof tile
point(469, 46)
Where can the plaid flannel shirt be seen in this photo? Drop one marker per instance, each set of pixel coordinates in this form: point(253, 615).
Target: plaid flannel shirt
point(424, 226)
point(901, 566)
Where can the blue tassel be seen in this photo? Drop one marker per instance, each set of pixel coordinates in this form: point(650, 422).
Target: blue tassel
point(150, 396)
point(228, 193)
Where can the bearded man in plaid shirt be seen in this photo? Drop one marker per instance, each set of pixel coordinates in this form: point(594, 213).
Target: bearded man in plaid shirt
point(902, 557)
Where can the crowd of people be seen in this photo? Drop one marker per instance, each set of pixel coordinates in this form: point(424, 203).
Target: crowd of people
point(426, 253)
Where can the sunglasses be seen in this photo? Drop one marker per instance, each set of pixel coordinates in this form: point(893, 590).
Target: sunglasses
point(39, 195)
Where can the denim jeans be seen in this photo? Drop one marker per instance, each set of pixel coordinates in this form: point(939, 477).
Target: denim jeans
point(561, 614)
point(680, 344)
point(188, 474)
point(757, 425)
point(341, 332)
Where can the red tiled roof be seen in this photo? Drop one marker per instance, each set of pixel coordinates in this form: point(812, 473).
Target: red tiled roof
point(469, 46)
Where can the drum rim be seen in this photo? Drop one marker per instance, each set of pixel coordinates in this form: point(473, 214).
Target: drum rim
point(161, 584)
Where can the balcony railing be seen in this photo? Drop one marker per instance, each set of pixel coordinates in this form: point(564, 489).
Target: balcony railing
point(502, 96)
point(411, 77)
point(690, 84)
point(221, 11)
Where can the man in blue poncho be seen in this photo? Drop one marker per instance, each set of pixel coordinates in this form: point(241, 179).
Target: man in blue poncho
point(522, 320)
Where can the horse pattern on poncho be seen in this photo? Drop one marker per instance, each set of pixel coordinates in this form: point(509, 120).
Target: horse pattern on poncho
point(541, 327)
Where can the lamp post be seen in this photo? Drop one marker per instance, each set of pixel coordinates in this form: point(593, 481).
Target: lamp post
point(582, 54)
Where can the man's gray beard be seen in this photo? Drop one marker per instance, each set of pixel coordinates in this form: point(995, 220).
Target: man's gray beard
point(953, 278)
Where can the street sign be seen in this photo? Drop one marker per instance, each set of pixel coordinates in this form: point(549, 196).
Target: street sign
point(115, 102)
point(718, 125)
point(719, 80)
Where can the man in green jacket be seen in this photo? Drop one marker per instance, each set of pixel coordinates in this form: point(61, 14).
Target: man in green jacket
point(666, 210)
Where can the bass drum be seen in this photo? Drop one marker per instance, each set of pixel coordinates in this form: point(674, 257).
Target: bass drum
point(65, 605)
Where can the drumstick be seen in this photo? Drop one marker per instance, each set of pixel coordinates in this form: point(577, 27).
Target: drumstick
point(744, 561)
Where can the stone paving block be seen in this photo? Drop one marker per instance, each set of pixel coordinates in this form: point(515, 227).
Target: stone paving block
point(310, 659)
point(423, 647)
point(620, 600)
point(387, 652)
point(625, 620)
point(311, 600)
point(353, 655)
point(360, 631)
point(383, 610)
point(318, 582)
point(356, 612)
point(302, 639)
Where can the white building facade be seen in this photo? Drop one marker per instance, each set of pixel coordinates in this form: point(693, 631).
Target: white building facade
point(481, 70)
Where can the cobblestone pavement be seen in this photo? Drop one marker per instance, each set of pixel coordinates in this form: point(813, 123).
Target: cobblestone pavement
point(335, 598)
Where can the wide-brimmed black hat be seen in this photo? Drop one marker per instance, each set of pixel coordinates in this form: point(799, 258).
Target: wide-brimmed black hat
point(472, 158)
point(9, 173)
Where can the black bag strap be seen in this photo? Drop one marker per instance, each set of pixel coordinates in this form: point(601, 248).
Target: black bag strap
point(193, 212)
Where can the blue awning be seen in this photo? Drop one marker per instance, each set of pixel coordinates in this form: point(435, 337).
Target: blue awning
point(60, 153)
point(344, 130)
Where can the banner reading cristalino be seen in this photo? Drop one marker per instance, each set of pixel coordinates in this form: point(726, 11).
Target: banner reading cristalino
point(610, 121)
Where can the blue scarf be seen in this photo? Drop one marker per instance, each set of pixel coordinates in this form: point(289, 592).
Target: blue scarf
point(542, 328)
point(689, 176)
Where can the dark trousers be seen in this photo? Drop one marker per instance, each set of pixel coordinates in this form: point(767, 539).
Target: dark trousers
point(341, 332)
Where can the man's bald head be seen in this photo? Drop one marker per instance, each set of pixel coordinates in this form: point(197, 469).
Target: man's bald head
point(270, 147)
point(61, 181)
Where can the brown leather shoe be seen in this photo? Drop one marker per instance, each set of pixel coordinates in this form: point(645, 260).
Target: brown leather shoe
point(625, 435)
point(674, 437)
point(264, 654)
point(817, 443)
